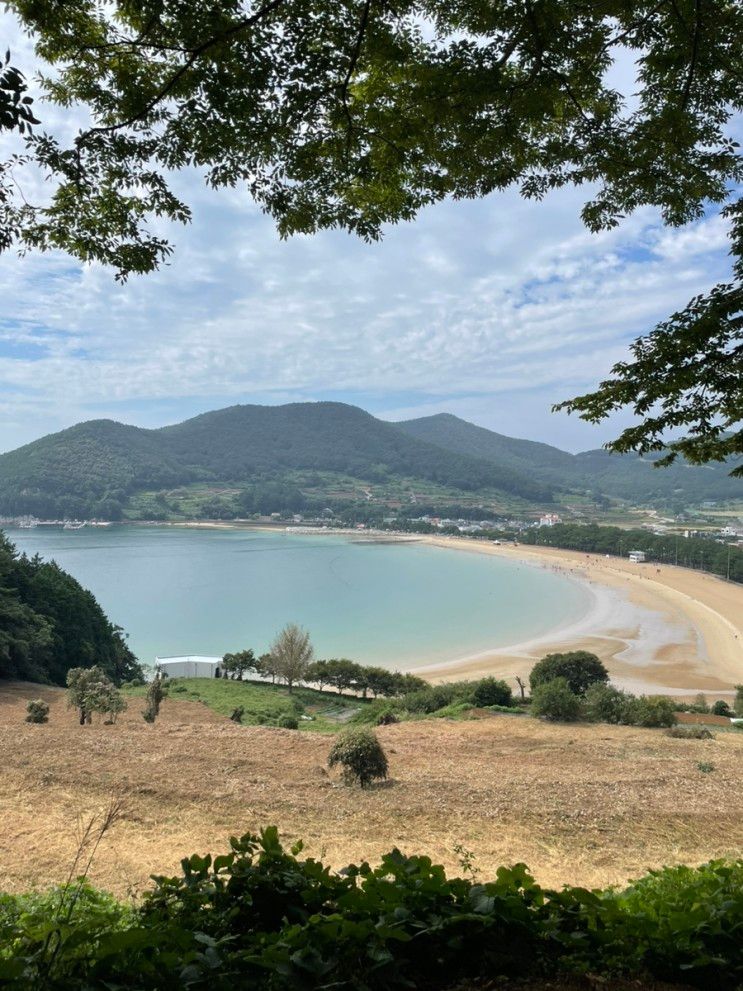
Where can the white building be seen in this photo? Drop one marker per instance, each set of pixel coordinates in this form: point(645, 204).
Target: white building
point(190, 666)
point(637, 557)
point(549, 519)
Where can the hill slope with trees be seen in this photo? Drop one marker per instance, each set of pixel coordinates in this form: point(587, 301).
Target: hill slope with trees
point(624, 476)
point(49, 623)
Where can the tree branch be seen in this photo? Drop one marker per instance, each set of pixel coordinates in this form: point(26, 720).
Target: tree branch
point(195, 54)
point(694, 55)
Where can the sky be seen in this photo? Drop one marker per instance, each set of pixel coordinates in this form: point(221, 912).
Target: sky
point(491, 309)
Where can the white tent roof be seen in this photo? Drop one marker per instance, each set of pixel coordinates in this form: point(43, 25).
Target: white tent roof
point(187, 658)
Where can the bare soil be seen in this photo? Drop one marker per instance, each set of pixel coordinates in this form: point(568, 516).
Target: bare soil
point(591, 805)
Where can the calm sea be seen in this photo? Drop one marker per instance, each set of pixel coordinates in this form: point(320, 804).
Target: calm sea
point(190, 591)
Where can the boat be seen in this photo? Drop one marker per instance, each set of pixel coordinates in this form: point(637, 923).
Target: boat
point(69, 525)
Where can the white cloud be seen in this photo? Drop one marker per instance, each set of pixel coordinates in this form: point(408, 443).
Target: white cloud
point(498, 307)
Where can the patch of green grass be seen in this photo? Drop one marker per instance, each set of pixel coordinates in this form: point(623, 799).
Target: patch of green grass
point(263, 703)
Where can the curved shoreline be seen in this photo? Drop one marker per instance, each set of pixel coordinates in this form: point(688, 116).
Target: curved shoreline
point(658, 629)
point(672, 630)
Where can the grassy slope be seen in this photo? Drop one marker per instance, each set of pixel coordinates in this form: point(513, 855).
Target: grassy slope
point(264, 703)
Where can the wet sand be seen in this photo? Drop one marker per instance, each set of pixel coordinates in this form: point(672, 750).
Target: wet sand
point(658, 628)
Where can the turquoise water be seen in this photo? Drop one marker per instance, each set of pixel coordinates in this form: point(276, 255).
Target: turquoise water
point(191, 591)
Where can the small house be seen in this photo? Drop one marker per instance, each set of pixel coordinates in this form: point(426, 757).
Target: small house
point(189, 666)
point(637, 557)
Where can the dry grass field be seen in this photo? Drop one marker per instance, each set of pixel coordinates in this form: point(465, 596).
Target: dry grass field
point(592, 805)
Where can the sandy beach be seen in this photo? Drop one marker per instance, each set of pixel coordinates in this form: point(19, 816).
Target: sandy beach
point(658, 628)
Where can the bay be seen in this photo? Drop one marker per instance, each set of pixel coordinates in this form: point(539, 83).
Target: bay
point(208, 591)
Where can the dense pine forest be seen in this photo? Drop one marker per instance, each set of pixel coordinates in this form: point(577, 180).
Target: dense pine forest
point(49, 623)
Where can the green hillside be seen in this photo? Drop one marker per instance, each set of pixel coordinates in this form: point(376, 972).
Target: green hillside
point(96, 469)
point(49, 623)
point(619, 476)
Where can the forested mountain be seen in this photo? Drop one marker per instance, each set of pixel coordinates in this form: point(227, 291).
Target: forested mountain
point(49, 623)
point(622, 476)
point(93, 468)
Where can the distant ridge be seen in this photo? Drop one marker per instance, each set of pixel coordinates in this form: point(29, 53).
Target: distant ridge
point(619, 476)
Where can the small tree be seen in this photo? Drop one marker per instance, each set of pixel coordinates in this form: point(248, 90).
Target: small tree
point(738, 704)
point(342, 673)
point(237, 664)
point(38, 711)
point(700, 704)
point(153, 700)
point(237, 714)
point(111, 702)
point(578, 667)
point(292, 653)
point(492, 691)
point(90, 690)
point(522, 688)
point(360, 756)
point(555, 701)
point(317, 673)
point(267, 666)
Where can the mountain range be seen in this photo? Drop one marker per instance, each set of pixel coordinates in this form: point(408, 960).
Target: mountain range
point(99, 468)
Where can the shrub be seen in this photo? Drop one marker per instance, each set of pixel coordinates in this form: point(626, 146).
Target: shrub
point(237, 714)
point(38, 711)
point(690, 733)
point(721, 708)
point(650, 711)
point(555, 701)
point(491, 691)
point(360, 755)
point(705, 768)
point(605, 703)
point(387, 717)
point(738, 704)
point(578, 667)
point(287, 722)
point(258, 916)
point(427, 700)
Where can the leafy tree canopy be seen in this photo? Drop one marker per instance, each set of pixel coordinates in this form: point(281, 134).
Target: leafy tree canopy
point(579, 668)
point(357, 113)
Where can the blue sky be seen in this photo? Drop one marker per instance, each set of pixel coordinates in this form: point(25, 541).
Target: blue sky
point(491, 309)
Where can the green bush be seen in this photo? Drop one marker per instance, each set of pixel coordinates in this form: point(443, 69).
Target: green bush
point(491, 691)
point(428, 700)
point(37, 711)
point(705, 767)
point(260, 917)
point(605, 703)
point(650, 711)
point(237, 714)
point(721, 708)
point(555, 701)
point(360, 755)
point(287, 722)
point(690, 733)
point(578, 667)
point(387, 717)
